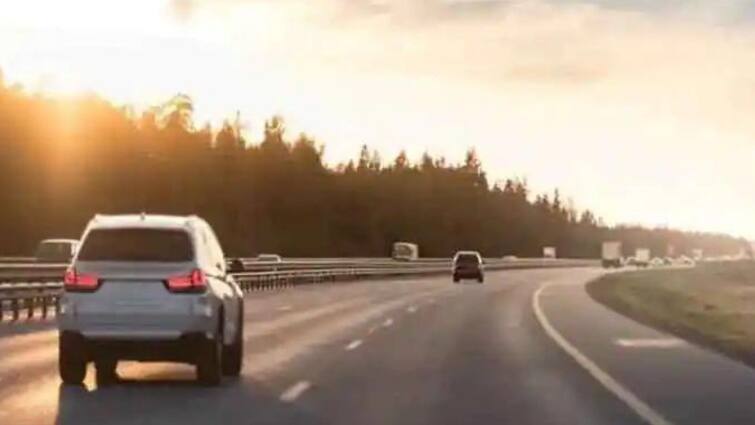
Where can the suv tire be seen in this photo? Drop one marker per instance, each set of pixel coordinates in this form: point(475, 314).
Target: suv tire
point(105, 372)
point(233, 355)
point(72, 362)
point(209, 369)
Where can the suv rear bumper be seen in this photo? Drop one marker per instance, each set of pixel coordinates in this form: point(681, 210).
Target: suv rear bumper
point(183, 349)
point(104, 324)
point(468, 273)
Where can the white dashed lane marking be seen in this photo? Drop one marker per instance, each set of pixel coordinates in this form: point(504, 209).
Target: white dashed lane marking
point(354, 344)
point(388, 322)
point(284, 308)
point(296, 390)
point(650, 342)
point(411, 309)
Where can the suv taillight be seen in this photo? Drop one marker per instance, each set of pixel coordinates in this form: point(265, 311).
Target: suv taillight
point(73, 281)
point(193, 282)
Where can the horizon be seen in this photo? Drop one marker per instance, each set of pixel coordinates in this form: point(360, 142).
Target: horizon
point(670, 87)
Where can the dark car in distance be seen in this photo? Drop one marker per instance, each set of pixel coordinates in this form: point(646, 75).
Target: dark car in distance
point(468, 265)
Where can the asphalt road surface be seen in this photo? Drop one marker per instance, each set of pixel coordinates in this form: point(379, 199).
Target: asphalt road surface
point(526, 347)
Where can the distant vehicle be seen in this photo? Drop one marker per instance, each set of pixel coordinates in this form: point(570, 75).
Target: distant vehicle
point(642, 257)
point(236, 266)
point(405, 251)
point(56, 250)
point(468, 265)
point(697, 254)
point(510, 257)
point(668, 261)
point(611, 254)
point(630, 261)
point(269, 258)
point(684, 260)
point(549, 252)
point(656, 262)
point(150, 288)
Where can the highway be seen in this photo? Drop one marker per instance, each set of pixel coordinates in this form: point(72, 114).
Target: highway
point(527, 347)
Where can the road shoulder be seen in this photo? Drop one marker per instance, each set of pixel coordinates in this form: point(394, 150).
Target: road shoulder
point(685, 383)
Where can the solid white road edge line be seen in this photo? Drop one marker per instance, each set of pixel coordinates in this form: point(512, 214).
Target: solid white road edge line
point(622, 393)
point(294, 391)
point(353, 344)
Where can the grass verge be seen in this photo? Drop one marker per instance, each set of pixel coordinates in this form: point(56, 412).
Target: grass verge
point(712, 305)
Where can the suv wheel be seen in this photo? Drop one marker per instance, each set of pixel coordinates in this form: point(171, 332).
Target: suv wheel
point(209, 370)
point(233, 355)
point(72, 364)
point(456, 279)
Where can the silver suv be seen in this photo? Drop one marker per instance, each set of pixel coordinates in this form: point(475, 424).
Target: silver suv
point(150, 288)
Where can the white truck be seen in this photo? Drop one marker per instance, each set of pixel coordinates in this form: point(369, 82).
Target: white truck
point(611, 254)
point(697, 254)
point(549, 252)
point(642, 257)
point(405, 251)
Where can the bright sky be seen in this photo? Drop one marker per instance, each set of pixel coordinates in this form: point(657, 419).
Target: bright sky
point(638, 109)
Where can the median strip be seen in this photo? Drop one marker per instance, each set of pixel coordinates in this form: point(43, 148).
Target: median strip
point(710, 304)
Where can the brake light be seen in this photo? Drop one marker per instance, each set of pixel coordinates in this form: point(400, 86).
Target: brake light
point(78, 282)
point(193, 282)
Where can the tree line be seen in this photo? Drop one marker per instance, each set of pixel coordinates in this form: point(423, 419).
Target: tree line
point(64, 160)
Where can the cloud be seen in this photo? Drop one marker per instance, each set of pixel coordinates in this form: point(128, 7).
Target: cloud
point(553, 73)
point(181, 10)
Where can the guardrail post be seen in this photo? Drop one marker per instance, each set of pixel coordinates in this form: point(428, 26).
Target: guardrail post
point(56, 299)
point(14, 306)
point(44, 307)
point(30, 302)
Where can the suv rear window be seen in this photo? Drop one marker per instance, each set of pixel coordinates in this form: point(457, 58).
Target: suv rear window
point(156, 245)
point(467, 259)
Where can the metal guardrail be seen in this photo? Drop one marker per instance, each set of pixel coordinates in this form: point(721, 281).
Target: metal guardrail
point(17, 260)
point(31, 272)
point(30, 289)
point(29, 298)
